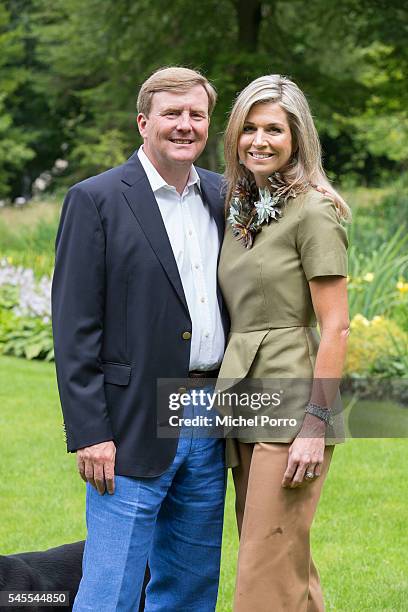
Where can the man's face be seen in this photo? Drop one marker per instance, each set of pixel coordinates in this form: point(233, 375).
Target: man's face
point(176, 130)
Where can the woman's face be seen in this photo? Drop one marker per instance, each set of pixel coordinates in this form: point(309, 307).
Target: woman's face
point(265, 144)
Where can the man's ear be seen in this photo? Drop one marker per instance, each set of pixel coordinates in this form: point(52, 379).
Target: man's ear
point(141, 124)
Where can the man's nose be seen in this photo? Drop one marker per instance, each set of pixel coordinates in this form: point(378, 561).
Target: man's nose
point(259, 138)
point(184, 121)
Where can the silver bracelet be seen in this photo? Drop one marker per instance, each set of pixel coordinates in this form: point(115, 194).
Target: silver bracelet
point(321, 413)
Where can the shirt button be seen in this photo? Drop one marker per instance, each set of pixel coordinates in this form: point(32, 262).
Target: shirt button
point(190, 232)
point(207, 335)
point(202, 300)
point(186, 335)
point(197, 267)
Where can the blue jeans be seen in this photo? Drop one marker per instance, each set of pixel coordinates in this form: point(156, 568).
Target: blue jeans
point(173, 521)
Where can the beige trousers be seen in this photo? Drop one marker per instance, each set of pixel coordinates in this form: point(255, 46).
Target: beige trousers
point(275, 570)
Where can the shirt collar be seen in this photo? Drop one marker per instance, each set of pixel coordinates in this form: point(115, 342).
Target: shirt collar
point(156, 180)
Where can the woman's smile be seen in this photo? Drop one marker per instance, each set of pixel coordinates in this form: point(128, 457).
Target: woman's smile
point(260, 156)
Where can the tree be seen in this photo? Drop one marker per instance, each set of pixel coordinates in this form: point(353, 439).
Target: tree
point(15, 151)
point(86, 60)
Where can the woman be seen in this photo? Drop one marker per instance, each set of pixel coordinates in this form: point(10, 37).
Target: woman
point(283, 266)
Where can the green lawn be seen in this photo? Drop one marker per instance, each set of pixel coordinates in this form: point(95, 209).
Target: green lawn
point(360, 536)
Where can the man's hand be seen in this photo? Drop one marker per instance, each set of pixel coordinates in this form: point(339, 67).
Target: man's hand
point(96, 465)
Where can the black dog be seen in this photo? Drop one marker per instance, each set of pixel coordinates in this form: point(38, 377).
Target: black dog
point(56, 569)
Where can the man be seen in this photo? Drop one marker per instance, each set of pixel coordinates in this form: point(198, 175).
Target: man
point(135, 299)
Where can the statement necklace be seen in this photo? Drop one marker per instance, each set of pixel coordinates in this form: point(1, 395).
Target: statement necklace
point(250, 207)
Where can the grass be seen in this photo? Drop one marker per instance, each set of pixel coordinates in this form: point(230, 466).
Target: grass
point(40, 493)
point(359, 538)
point(27, 234)
point(364, 197)
point(16, 218)
point(371, 419)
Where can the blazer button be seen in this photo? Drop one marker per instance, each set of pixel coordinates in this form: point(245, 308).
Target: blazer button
point(186, 335)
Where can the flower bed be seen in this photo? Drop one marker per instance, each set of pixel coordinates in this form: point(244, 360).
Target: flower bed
point(25, 313)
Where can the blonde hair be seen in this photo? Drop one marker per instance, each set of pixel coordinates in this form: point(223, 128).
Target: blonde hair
point(305, 166)
point(177, 79)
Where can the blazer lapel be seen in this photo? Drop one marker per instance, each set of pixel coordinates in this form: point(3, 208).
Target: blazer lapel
point(142, 202)
point(211, 196)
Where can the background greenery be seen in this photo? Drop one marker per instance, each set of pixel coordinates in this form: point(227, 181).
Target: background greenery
point(70, 71)
point(359, 537)
point(69, 75)
point(378, 281)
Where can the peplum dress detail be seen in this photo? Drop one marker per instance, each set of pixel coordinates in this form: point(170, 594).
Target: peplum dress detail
point(273, 332)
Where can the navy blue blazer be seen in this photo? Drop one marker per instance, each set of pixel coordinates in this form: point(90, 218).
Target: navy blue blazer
point(119, 313)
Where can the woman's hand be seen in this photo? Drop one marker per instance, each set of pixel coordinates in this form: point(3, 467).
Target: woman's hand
point(306, 453)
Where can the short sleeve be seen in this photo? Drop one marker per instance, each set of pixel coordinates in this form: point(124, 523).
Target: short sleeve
point(322, 240)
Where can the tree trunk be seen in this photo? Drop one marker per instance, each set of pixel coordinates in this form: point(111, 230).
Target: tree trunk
point(249, 21)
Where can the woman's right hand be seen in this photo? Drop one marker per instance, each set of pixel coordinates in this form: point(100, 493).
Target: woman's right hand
point(306, 453)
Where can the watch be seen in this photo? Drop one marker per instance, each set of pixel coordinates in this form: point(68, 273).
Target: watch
point(321, 413)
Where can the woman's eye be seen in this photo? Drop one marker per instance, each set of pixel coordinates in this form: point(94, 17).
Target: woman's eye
point(247, 128)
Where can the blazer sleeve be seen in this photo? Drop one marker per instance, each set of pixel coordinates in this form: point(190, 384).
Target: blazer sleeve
point(322, 240)
point(77, 318)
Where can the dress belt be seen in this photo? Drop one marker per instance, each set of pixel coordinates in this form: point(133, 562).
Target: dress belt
point(204, 373)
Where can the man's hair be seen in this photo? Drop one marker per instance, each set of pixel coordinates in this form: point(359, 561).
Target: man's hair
point(177, 79)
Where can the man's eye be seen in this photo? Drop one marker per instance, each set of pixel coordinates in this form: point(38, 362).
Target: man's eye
point(171, 114)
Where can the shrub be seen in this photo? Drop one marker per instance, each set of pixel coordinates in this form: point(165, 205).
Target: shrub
point(376, 348)
point(25, 337)
point(399, 311)
point(374, 279)
point(378, 214)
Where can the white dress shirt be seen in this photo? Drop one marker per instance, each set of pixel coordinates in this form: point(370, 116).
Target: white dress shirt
point(194, 240)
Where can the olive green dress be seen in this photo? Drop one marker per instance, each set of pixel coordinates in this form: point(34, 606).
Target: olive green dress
point(273, 325)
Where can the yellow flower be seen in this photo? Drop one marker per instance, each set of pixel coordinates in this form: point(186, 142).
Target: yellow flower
point(9, 260)
point(359, 319)
point(402, 286)
point(369, 277)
